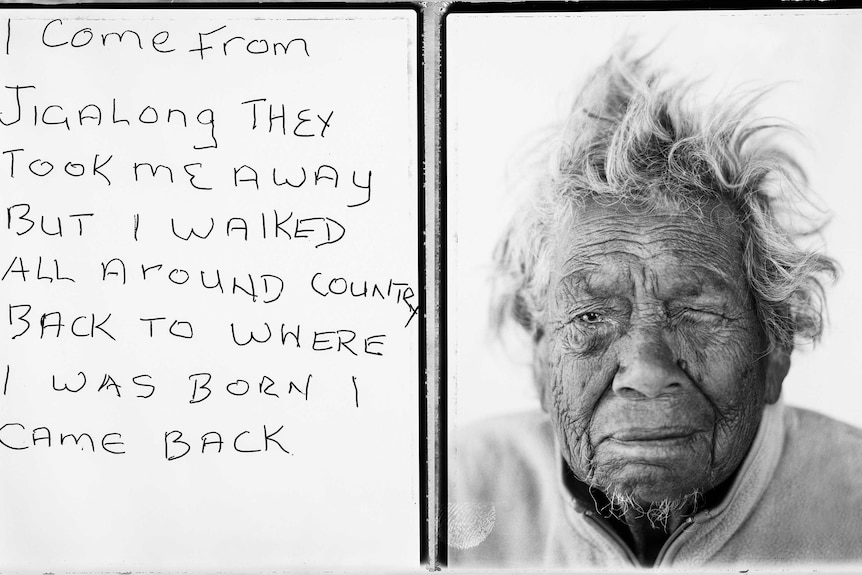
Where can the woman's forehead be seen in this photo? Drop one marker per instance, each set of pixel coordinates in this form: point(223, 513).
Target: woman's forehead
point(604, 244)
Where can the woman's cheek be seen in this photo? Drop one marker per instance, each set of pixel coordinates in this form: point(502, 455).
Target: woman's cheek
point(584, 341)
point(577, 385)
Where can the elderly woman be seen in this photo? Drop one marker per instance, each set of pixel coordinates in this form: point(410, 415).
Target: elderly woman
point(662, 293)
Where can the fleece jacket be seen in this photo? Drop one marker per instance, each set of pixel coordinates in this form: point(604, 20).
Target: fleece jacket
point(795, 500)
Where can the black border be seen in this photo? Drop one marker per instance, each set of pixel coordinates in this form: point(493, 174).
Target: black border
point(422, 392)
point(423, 397)
point(542, 7)
point(562, 6)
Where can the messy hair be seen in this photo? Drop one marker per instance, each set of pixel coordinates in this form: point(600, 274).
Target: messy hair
point(632, 139)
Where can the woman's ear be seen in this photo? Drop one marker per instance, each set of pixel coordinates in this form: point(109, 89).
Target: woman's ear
point(777, 366)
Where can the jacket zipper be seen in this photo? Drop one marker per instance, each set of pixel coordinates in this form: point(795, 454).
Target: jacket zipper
point(625, 548)
point(673, 537)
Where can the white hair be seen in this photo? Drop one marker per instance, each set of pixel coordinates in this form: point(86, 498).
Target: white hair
point(623, 506)
point(632, 141)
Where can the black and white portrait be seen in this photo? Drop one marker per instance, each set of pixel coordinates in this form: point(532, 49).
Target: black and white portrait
point(653, 266)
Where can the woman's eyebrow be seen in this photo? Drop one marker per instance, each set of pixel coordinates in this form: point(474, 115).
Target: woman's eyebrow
point(693, 281)
point(598, 281)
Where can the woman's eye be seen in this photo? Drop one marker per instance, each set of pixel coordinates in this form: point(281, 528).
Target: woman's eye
point(690, 318)
point(590, 317)
point(700, 314)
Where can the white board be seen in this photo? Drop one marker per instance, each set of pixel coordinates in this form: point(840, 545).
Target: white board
point(293, 136)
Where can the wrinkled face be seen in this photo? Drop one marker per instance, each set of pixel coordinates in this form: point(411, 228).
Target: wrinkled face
point(652, 357)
